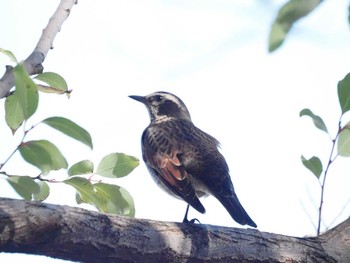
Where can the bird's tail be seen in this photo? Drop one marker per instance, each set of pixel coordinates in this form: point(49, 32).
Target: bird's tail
point(236, 210)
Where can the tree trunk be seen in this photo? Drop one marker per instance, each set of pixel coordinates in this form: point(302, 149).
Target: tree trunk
point(86, 236)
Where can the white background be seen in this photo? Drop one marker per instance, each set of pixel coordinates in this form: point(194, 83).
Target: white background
point(213, 55)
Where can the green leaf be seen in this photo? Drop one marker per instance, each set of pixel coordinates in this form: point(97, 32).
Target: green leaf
point(43, 193)
point(24, 186)
point(54, 80)
point(9, 54)
point(315, 118)
point(43, 154)
point(49, 89)
point(105, 197)
point(125, 164)
point(128, 198)
point(277, 35)
point(13, 113)
point(289, 13)
point(70, 128)
point(344, 93)
point(116, 199)
point(313, 164)
point(85, 190)
point(117, 165)
point(344, 141)
point(82, 167)
point(78, 199)
point(26, 91)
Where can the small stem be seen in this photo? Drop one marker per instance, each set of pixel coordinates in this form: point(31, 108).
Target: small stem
point(25, 132)
point(45, 180)
point(330, 161)
point(38, 177)
point(15, 150)
point(8, 158)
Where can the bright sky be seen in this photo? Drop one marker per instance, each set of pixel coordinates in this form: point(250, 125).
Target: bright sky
point(213, 55)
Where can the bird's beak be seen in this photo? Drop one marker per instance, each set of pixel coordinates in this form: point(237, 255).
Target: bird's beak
point(139, 98)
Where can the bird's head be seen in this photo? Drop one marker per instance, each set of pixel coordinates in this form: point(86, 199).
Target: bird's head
point(163, 106)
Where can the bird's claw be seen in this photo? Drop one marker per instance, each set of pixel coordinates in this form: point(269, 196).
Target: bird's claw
point(192, 221)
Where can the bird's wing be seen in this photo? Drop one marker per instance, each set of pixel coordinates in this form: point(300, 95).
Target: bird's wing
point(170, 171)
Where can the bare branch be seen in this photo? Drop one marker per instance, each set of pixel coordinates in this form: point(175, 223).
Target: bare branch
point(85, 236)
point(33, 64)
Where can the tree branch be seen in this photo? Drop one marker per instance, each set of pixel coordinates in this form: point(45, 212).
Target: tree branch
point(86, 236)
point(33, 64)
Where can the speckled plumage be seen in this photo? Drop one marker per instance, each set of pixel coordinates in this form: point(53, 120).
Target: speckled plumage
point(183, 160)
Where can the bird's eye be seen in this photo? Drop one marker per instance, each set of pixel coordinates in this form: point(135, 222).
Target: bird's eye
point(159, 98)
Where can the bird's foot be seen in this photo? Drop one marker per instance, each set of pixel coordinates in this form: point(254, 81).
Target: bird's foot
point(192, 221)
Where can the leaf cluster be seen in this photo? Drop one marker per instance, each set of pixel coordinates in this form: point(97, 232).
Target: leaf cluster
point(20, 106)
point(105, 197)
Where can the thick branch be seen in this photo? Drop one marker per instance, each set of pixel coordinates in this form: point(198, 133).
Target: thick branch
point(33, 64)
point(86, 236)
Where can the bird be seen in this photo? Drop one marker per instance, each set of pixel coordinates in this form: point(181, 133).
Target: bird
point(184, 160)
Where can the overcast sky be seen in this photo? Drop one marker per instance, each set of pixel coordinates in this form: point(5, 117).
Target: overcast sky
point(213, 55)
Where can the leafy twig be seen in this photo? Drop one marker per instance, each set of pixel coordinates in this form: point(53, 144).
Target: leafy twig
point(330, 161)
point(342, 138)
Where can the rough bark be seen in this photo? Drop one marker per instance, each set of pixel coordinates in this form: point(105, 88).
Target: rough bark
point(86, 236)
point(33, 64)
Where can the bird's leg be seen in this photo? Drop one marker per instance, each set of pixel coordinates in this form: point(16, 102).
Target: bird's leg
point(192, 221)
point(185, 218)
